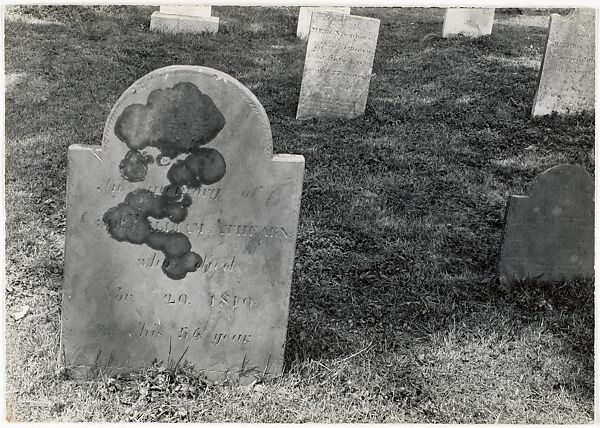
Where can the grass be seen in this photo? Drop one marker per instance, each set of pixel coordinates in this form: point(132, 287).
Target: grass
point(395, 311)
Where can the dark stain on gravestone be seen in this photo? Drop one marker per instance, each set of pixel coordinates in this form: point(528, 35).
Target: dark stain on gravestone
point(176, 121)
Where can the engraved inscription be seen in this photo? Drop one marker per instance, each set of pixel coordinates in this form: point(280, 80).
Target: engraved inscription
point(171, 299)
point(181, 232)
point(221, 338)
point(342, 34)
point(196, 230)
point(226, 301)
point(121, 296)
point(251, 193)
point(207, 263)
point(195, 334)
point(338, 66)
point(567, 83)
point(119, 186)
point(150, 331)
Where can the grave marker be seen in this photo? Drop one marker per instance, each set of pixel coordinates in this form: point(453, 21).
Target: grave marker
point(181, 231)
point(470, 22)
point(305, 15)
point(184, 19)
point(549, 234)
point(338, 66)
point(566, 80)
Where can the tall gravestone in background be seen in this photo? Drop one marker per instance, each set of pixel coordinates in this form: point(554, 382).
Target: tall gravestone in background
point(184, 19)
point(338, 66)
point(181, 231)
point(305, 15)
point(566, 80)
point(470, 22)
point(549, 234)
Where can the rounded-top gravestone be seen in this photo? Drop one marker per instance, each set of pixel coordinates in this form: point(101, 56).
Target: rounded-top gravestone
point(181, 232)
point(549, 234)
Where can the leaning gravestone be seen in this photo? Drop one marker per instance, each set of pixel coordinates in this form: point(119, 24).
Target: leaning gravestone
point(468, 22)
point(184, 19)
point(549, 234)
point(181, 231)
point(566, 80)
point(338, 66)
point(305, 15)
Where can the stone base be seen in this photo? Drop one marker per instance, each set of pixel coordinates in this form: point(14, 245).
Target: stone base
point(183, 24)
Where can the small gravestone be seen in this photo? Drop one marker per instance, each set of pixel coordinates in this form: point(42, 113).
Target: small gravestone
point(338, 66)
point(469, 22)
point(181, 230)
point(184, 19)
point(306, 13)
point(566, 81)
point(549, 234)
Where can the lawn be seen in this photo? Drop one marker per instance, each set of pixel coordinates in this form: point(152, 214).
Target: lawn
point(396, 314)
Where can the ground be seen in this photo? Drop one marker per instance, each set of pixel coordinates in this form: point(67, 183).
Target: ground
point(395, 314)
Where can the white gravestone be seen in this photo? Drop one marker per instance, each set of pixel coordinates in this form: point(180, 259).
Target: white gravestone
point(305, 16)
point(338, 66)
point(189, 10)
point(468, 22)
point(566, 81)
point(184, 19)
point(181, 231)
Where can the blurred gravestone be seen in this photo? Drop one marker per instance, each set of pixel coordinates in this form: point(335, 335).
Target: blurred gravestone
point(470, 22)
point(549, 234)
point(181, 231)
point(338, 66)
point(305, 15)
point(184, 19)
point(566, 80)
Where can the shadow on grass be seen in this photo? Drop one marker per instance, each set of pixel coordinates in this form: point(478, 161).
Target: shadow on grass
point(399, 240)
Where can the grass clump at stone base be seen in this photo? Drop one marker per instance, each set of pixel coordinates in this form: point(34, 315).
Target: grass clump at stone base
point(395, 315)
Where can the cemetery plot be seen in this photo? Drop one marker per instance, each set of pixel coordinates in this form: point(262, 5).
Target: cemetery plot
point(566, 80)
point(549, 234)
point(338, 66)
point(181, 232)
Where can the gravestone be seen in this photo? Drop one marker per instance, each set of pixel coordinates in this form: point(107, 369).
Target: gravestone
point(566, 80)
point(181, 231)
point(187, 10)
point(338, 66)
point(470, 22)
point(184, 19)
point(549, 234)
point(305, 15)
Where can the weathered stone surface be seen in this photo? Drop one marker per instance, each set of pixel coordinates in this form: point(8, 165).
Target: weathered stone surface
point(549, 234)
point(566, 81)
point(189, 10)
point(470, 22)
point(181, 231)
point(338, 66)
point(305, 15)
point(184, 19)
